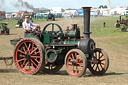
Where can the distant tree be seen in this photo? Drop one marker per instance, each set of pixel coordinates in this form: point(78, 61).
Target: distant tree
point(101, 6)
point(62, 10)
point(105, 6)
point(70, 9)
point(94, 8)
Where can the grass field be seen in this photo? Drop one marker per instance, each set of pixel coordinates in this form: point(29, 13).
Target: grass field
point(115, 43)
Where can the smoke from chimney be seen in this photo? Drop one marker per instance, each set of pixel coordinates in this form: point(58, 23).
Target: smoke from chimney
point(2, 2)
point(21, 3)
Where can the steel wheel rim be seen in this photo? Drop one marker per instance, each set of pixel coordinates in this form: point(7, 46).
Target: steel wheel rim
point(102, 63)
point(74, 70)
point(27, 56)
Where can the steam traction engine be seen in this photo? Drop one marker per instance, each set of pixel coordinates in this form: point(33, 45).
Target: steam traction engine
point(48, 50)
point(50, 16)
point(4, 29)
point(122, 24)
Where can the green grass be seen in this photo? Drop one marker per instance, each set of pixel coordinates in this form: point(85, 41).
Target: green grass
point(11, 23)
point(110, 30)
point(97, 28)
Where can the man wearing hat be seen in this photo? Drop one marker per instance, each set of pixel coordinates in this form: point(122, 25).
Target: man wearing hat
point(28, 26)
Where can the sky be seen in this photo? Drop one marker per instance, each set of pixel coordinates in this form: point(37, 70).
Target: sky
point(7, 6)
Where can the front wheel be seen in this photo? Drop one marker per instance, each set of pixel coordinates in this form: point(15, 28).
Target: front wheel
point(123, 29)
point(102, 64)
point(76, 62)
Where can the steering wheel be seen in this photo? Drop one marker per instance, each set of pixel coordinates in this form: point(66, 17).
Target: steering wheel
point(53, 26)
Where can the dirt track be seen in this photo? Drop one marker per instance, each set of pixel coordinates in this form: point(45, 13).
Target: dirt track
point(117, 73)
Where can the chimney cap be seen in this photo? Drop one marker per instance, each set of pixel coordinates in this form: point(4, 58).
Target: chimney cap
point(86, 8)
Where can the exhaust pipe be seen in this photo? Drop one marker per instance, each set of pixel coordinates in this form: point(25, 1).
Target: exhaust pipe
point(120, 19)
point(87, 45)
point(87, 22)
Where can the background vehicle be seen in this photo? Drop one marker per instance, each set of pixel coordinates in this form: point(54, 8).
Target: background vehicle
point(122, 23)
point(4, 29)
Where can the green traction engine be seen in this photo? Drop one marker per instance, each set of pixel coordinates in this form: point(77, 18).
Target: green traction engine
point(48, 50)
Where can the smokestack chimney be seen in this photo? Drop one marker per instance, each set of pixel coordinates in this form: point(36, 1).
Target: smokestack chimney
point(120, 19)
point(86, 22)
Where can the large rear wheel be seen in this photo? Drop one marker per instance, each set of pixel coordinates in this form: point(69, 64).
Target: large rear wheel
point(29, 56)
point(102, 64)
point(76, 62)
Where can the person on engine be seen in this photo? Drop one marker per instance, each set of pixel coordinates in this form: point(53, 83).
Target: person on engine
point(29, 26)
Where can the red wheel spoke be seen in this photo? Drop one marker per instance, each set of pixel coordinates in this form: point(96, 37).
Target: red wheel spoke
point(29, 46)
point(36, 60)
point(22, 55)
point(81, 67)
point(81, 60)
point(37, 52)
point(72, 56)
point(21, 60)
point(69, 62)
point(33, 62)
point(35, 56)
point(23, 63)
point(72, 68)
point(25, 45)
point(21, 51)
point(34, 50)
point(75, 71)
point(77, 68)
point(32, 65)
point(80, 63)
point(24, 49)
point(32, 46)
point(29, 64)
